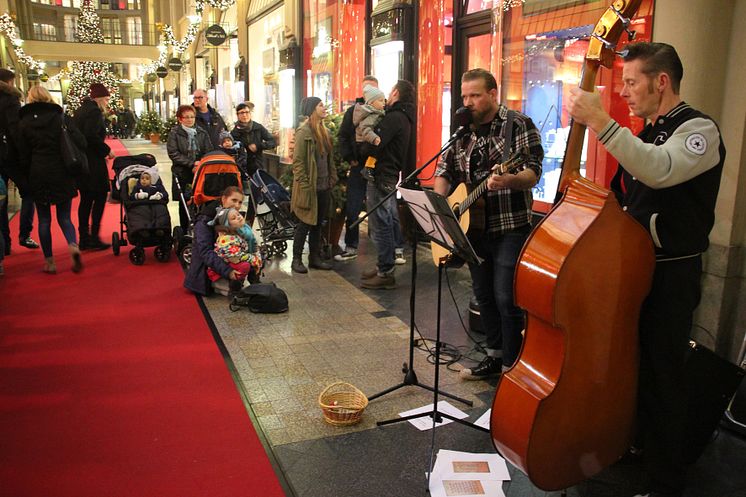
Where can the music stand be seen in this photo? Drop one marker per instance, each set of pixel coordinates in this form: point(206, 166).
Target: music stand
point(439, 223)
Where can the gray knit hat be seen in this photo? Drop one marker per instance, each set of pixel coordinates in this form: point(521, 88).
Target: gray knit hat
point(309, 104)
point(371, 93)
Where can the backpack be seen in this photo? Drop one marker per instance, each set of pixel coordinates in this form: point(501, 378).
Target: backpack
point(262, 298)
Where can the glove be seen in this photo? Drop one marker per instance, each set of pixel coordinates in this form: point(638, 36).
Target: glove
point(156, 196)
point(141, 195)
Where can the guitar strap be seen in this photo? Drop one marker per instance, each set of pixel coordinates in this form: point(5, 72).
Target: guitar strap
point(508, 134)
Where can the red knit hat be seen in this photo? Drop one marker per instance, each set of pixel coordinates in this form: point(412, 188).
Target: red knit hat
point(98, 90)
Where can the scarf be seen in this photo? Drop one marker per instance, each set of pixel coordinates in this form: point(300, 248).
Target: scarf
point(192, 135)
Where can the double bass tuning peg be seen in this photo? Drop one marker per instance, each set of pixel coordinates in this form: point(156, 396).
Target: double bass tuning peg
point(632, 34)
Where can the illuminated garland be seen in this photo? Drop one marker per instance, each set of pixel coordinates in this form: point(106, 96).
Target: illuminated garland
point(181, 46)
point(218, 4)
point(8, 27)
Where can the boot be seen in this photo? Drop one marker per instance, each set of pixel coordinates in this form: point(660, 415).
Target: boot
point(297, 266)
point(85, 240)
point(75, 255)
point(316, 262)
point(49, 266)
point(95, 243)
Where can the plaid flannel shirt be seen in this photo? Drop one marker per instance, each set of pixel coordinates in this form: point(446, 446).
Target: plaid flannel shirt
point(506, 209)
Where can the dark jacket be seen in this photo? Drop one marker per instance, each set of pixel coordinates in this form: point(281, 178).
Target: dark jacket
point(39, 152)
point(397, 150)
point(258, 135)
point(203, 254)
point(347, 147)
point(183, 159)
point(10, 105)
point(90, 121)
point(214, 128)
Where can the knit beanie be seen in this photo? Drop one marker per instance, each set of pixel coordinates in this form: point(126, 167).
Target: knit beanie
point(221, 217)
point(224, 135)
point(98, 90)
point(153, 172)
point(371, 93)
point(308, 105)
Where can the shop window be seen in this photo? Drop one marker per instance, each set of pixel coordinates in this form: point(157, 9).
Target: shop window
point(478, 6)
point(544, 50)
point(45, 32)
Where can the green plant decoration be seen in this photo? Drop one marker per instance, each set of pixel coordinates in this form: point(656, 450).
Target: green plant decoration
point(149, 123)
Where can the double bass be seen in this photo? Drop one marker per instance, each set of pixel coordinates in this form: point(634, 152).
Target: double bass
point(566, 408)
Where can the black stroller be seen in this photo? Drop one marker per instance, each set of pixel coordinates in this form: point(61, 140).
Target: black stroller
point(142, 223)
point(272, 206)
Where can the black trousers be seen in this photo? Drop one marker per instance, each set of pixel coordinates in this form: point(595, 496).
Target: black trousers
point(91, 208)
point(312, 231)
point(665, 325)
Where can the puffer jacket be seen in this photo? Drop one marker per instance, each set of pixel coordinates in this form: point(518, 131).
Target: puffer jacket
point(39, 134)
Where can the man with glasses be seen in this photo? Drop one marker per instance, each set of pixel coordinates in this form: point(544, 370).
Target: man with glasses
point(208, 118)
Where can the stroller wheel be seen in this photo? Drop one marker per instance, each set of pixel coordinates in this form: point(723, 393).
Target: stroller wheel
point(162, 253)
point(280, 247)
point(115, 243)
point(185, 255)
point(137, 256)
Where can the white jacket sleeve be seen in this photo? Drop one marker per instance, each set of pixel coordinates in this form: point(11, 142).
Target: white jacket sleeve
point(691, 150)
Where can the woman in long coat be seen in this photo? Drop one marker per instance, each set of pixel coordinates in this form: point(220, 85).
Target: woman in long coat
point(49, 181)
point(94, 186)
point(186, 145)
point(314, 175)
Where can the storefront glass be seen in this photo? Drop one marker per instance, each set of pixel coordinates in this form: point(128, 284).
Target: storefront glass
point(333, 50)
point(544, 48)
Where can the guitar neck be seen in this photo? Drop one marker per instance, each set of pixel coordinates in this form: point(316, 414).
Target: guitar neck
point(473, 196)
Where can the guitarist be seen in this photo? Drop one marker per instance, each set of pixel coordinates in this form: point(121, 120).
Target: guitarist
point(668, 180)
point(507, 211)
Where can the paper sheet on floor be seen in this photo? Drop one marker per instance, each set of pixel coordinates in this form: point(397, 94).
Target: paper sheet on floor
point(484, 420)
point(426, 422)
point(465, 474)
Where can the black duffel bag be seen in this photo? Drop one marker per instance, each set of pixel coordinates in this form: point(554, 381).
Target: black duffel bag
point(261, 297)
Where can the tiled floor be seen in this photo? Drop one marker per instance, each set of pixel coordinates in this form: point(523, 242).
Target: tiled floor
point(335, 331)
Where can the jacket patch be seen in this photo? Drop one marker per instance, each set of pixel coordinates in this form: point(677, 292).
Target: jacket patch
point(696, 143)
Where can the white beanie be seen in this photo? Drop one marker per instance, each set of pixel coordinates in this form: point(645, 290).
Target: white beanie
point(153, 172)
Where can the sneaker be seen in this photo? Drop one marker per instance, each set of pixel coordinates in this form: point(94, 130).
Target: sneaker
point(346, 255)
point(490, 366)
point(29, 242)
point(399, 257)
point(369, 273)
point(378, 282)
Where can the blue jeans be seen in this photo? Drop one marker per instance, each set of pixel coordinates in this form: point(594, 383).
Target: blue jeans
point(355, 197)
point(382, 223)
point(492, 282)
point(45, 225)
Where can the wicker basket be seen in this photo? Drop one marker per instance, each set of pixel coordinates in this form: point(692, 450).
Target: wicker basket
point(342, 404)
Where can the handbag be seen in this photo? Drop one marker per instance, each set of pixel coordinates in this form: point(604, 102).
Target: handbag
point(74, 159)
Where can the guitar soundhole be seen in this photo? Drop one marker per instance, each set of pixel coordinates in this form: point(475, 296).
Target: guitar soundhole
point(456, 210)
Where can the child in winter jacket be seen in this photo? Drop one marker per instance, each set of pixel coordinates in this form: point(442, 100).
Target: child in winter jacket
point(148, 187)
point(366, 117)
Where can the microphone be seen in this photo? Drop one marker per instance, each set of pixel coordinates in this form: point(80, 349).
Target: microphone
point(462, 119)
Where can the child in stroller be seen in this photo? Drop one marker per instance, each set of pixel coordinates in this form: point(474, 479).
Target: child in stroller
point(271, 202)
point(144, 220)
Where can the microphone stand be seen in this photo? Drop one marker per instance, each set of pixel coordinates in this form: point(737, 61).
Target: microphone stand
point(410, 377)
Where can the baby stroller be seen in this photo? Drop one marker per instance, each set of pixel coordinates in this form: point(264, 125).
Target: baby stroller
point(215, 172)
point(143, 223)
point(272, 207)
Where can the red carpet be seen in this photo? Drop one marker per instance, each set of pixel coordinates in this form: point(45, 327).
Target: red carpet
point(111, 383)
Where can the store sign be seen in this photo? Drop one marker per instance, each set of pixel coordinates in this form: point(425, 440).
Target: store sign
point(161, 72)
point(175, 64)
point(151, 77)
point(215, 35)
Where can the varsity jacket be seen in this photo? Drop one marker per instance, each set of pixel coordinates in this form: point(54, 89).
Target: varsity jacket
point(669, 181)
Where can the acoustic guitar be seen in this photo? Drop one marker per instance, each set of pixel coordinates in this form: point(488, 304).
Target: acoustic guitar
point(468, 206)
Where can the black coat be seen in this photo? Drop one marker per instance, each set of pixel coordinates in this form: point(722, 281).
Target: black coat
point(348, 149)
point(90, 121)
point(183, 159)
point(203, 254)
point(258, 135)
point(10, 105)
point(39, 152)
point(397, 150)
point(216, 126)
